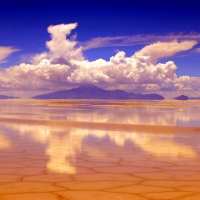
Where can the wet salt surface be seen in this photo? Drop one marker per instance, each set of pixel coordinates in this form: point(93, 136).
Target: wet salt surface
point(186, 114)
point(55, 162)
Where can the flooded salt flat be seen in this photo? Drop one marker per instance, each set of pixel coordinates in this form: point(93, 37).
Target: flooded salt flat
point(169, 113)
point(40, 161)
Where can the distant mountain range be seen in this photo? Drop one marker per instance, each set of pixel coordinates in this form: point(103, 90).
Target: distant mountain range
point(90, 91)
point(7, 97)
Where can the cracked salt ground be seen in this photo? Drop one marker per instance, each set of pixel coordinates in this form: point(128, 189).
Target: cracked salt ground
point(39, 161)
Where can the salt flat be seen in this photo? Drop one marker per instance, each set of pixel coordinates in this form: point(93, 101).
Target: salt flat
point(89, 149)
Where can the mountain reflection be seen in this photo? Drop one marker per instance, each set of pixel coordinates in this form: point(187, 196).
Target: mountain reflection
point(62, 144)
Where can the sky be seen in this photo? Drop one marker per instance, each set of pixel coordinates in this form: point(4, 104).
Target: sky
point(137, 46)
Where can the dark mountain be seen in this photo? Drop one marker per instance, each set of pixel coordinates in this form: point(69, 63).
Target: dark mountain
point(6, 97)
point(182, 97)
point(91, 91)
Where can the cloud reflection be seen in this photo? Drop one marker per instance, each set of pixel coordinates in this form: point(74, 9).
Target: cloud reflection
point(63, 144)
point(4, 142)
point(163, 146)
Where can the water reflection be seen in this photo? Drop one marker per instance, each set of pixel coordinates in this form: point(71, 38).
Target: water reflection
point(4, 142)
point(188, 115)
point(63, 144)
point(60, 150)
point(163, 146)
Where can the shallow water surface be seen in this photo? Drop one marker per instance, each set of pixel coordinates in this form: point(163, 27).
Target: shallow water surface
point(48, 161)
point(169, 113)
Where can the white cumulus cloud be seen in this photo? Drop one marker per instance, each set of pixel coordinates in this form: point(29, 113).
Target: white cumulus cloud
point(63, 66)
point(123, 70)
point(59, 46)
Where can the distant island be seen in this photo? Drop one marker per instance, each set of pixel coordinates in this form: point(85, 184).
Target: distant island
point(181, 97)
point(7, 97)
point(90, 91)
